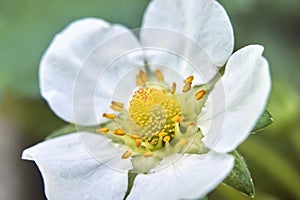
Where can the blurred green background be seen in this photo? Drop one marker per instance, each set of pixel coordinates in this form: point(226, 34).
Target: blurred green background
point(28, 26)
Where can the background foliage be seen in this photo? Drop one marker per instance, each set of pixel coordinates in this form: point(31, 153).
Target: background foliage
point(28, 26)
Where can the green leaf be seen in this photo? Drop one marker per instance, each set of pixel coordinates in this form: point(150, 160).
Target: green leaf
point(240, 177)
point(279, 169)
point(264, 121)
point(131, 178)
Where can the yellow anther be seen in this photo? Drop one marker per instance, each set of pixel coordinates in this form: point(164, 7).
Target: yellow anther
point(102, 130)
point(154, 141)
point(139, 80)
point(192, 124)
point(109, 116)
point(119, 104)
point(116, 108)
point(159, 75)
point(119, 132)
point(126, 155)
point(186, 87)
point(143, 76)
point(138, 142)
point(177, 119)
point(135, 136)
point(161, 134)
point(167, 138)
point(189, 79)
point(183, 141)
point(173, 88)
point(148, 153)
point(200, 94)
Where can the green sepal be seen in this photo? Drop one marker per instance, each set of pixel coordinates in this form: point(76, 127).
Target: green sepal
point(203, 198)
point(196, 145)
point(240, 177)
point(264, 121)
point(70, 128)
point(64, 130)
point(141, 165)
point(144, 165)
point(131, 177)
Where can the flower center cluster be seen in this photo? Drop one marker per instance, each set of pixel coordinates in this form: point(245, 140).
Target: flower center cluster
point(152, 110)
point(154, 120)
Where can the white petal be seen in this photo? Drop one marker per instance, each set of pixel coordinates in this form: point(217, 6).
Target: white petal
point(175, 62)
point(84, 51)
point(187, 177)
point(238, 100)
point(70, 171)
point(203, 21)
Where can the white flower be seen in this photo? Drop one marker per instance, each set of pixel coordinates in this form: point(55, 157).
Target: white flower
point(177, 144)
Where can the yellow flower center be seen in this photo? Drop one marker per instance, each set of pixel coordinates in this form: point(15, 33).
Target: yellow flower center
point(157, 117)
point(152, 110)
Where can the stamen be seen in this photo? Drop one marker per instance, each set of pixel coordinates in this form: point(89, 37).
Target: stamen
point(116, 108)
point(183, 141)
point(154, 141)
point(200, 94)
point(139, 81)
point(135, 137)
point(143, 76)
point(159, 75)
point(192, 124)
point(173, 88)
point(161, 134)
point(148, 153)
point(119, 132)
point(189, 79)
point(167, 138)
point(186, 87)
point(126, 155)
point(109, 116)
point(138, 142)
point(119, 104)
point(177, 119)
point(102, 130)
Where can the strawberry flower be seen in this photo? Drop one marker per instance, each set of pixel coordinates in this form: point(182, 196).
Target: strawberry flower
point(168, 102)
